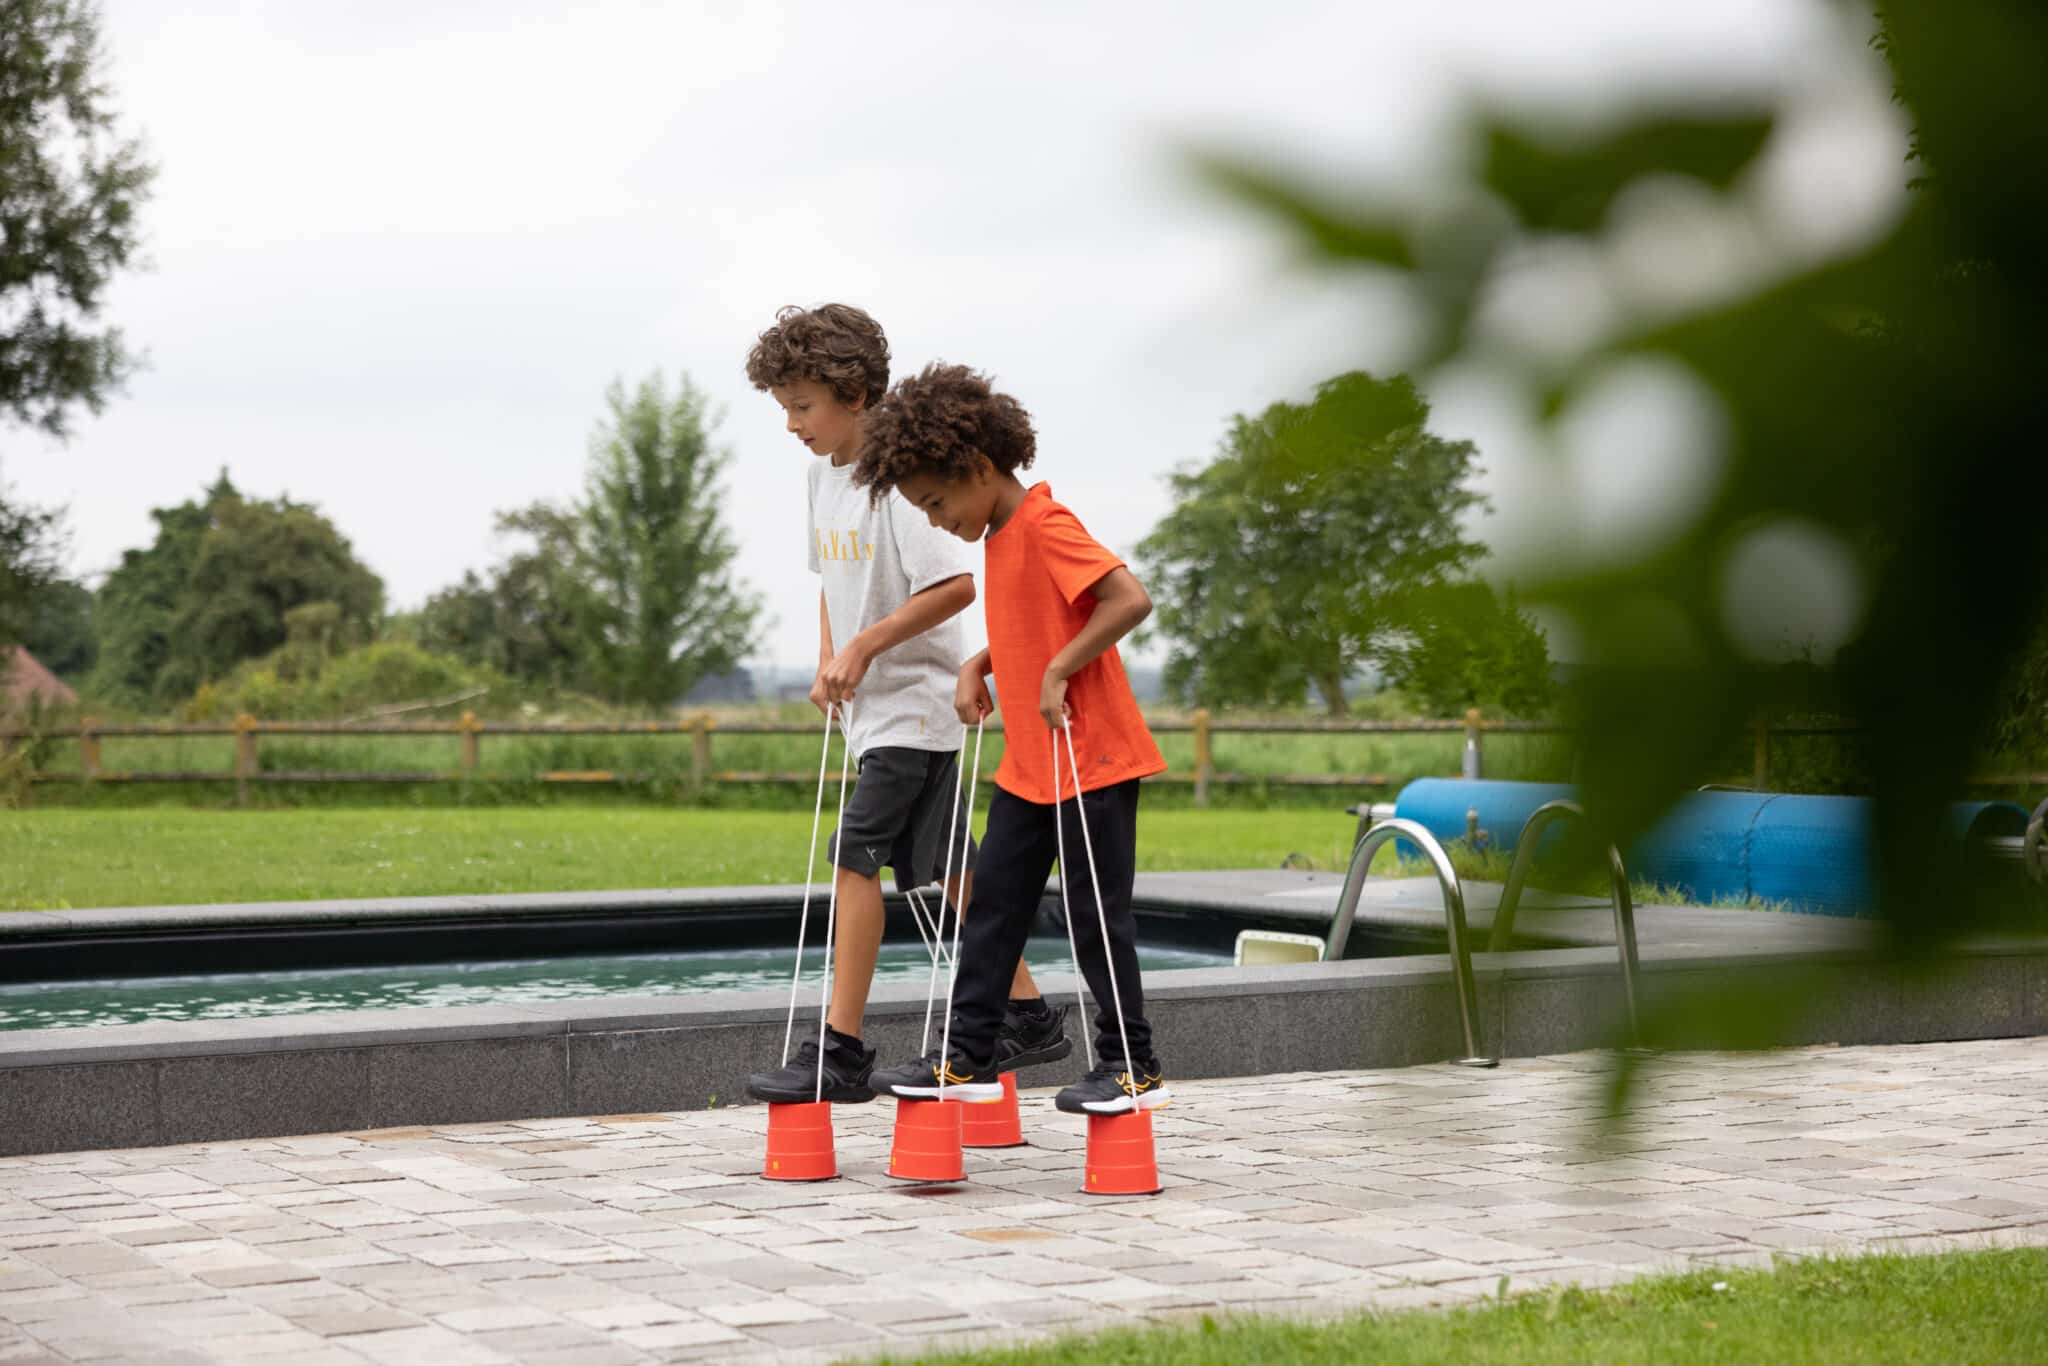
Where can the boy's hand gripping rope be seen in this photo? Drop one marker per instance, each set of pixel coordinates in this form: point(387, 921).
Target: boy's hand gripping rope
point(1116, 1000)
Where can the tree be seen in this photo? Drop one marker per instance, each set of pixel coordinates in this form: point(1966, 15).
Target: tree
point(1280, 563)
point(60, 630)
point(627, 592)
point(520, 621)
point(216, 588)
point(255, 563)
point(658, 607)
point(1463, 645)
point(70, 186)
point(31, 553)
point(140, 598)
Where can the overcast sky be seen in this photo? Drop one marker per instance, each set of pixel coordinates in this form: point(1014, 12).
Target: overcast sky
point(398, 250)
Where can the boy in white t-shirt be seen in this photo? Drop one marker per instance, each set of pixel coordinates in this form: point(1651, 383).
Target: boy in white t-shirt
point(889, 649)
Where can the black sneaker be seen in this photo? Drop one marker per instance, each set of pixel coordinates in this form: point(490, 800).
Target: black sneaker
point(1108, 1091)
point(846, 1076)
point(924, 1079)
point(1025, 1041)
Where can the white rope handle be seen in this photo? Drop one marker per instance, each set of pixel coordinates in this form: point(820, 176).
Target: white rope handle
point(810, 869)
point(1067, 913)
point(931, 987)
point(959, 915)
point(1116, 998)
point(927, 923)
point(832, 906)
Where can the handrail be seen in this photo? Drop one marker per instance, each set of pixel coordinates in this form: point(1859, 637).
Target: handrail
point(1454, 919)
point(2034, 845)
point(1617, 872)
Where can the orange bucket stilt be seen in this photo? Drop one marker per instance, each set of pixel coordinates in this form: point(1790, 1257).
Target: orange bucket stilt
point(995, 1123)
point(1120, 1156)
point(800, 1143)
point(927, 1142)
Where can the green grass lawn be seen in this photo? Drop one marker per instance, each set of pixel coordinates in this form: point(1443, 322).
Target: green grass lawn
point(1956, 1307)
point(166, 855)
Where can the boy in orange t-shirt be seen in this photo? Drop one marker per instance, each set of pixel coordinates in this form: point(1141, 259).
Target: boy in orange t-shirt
point(1057, 603)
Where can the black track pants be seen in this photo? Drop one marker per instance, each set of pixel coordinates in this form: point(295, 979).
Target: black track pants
point(1017, 854)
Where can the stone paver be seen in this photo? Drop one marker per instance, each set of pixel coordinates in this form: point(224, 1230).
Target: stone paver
point(645, 1238)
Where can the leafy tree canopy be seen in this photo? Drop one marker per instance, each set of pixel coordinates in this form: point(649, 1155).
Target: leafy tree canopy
point(218, 586)
point(140, 598)
point(518, 620)
point(60, 631)
point(31, 563)
point(1463, 645)
point(1279, 567)
point(70, 186)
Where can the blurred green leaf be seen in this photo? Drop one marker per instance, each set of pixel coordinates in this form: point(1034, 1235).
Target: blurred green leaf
point(1338, 231)
point(1568, 186)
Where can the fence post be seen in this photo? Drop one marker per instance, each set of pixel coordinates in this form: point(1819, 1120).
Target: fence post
point(700, 751)
point(1474, 766)
point(1204, 760)
point(245, 756)
point(470, 728)
point(88, 748)
point(1762, 776)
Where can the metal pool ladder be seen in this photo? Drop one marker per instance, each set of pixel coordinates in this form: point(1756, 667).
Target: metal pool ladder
point(1454, 919)
point(1503, 916)
point(1617, 874)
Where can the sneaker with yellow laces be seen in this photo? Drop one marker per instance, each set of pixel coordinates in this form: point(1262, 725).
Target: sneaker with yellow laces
point(1108, 1090)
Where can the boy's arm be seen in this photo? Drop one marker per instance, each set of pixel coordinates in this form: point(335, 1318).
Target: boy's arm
point(971, 702)
point(919, 613)
point(1121, 602)
point(818, 698)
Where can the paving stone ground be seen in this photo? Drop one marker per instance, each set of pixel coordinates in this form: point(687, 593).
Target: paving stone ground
point(635, 1238)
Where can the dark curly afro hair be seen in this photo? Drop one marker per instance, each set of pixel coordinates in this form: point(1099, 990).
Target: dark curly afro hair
point(838, 345)
point(944, 421)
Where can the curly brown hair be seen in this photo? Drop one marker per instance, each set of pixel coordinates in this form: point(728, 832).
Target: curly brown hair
point(838, 345)
point(943, 421)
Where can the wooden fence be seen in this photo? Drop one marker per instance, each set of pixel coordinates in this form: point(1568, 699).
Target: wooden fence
point(248, 732)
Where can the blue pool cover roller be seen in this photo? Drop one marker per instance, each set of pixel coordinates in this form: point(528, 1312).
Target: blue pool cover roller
point(1812, 853)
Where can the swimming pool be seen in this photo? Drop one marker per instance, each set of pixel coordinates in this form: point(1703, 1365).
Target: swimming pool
point(500, 981)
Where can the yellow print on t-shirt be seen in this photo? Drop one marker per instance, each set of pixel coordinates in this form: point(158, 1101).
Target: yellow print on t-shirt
point(843, 545)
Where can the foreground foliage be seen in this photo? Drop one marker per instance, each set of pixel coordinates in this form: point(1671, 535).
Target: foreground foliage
point(1861, 394)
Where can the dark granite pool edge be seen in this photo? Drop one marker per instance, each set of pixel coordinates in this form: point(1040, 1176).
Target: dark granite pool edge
point(144, 1085)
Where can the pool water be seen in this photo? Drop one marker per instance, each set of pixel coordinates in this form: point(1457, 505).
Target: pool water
point(234, 996)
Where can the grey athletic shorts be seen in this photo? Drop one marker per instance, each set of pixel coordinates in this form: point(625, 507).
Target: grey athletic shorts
point(901, 814)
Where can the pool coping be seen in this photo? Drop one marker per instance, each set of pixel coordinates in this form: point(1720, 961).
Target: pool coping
point(168, 1082)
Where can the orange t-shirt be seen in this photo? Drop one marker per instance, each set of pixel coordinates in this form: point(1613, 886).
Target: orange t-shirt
point(1042, 567)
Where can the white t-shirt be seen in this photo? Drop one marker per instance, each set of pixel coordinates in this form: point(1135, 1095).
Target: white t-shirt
point(871, 560)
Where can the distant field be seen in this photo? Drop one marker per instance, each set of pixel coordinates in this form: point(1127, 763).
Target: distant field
point(172, 855)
